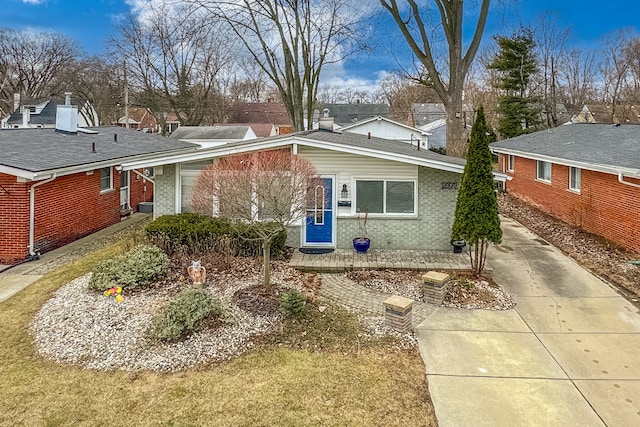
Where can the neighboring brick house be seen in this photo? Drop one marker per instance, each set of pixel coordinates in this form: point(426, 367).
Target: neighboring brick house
point(269, 112)
point(587, 175)
point(58, 185)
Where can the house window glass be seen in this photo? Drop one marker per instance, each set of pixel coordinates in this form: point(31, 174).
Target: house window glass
point(400, 197)
point(385, 197)
point(511, 159)
point(574, 179)
point(370, 196)
point(106, 179)
point(543, 171)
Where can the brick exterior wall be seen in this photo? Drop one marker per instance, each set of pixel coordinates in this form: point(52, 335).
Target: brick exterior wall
point(603, 206)
point(431, 230)
point(14, 208)
point(66, 209)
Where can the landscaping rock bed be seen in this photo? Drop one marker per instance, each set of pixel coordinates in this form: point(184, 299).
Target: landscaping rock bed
point(464, 292)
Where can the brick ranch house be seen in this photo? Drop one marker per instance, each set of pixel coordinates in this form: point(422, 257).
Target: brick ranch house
point(58, 185)
point(587, 175)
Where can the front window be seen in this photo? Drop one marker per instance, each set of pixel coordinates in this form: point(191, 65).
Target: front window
point(385, 197)
point(574, 179)
point(511, 160)
point(106, 179)
point(544, 171)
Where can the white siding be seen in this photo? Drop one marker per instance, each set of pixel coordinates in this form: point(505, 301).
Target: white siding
point(349, 167)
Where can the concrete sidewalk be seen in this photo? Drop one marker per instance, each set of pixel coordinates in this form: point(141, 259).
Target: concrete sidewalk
point(567, 355)
point(16, 278)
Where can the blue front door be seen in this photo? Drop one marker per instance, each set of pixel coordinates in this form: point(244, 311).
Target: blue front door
point(319, 221)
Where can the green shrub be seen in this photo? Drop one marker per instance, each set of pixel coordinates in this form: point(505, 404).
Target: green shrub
point(293, 304)
point(132, 270)
point(184, 314)
point(195, 233)
point(190, 231)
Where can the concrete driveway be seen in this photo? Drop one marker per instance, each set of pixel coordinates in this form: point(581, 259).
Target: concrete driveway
point(568, 355)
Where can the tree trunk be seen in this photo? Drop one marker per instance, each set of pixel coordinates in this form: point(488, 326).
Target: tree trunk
point(456, 129)
point(266, 262)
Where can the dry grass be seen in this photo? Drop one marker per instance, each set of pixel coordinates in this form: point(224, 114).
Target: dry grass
point(274, 385)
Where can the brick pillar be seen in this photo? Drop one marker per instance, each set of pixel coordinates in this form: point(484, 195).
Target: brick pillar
point(435, 287)
point(397, 313)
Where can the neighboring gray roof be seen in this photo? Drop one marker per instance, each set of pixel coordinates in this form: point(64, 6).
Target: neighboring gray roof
point(38, 150)
point(46, 117)
point(210, 132)
point(599, 146)
point(346, 114)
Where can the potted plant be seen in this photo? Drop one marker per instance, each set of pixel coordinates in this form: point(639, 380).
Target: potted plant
point(362, 242)
point(458, 245)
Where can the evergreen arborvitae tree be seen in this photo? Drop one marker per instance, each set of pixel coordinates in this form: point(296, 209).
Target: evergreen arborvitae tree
point(515, 62)
point(476, 218)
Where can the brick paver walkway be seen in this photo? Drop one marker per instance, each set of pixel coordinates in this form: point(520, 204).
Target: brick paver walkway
point(348, 259)
point(343, 291)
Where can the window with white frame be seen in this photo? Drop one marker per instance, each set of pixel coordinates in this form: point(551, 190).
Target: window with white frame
point(511, 160)
point(386, 196)
point(543, 171)
point(574, 179)
point(106, 179)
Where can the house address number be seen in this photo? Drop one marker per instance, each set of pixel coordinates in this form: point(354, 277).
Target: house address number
point(449, 185)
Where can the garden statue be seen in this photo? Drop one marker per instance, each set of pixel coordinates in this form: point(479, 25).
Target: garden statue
point(197, 273)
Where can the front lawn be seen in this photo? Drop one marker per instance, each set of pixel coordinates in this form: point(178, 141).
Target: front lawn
point(308, 373)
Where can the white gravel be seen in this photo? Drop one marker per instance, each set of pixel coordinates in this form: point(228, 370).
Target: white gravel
point(83, 327)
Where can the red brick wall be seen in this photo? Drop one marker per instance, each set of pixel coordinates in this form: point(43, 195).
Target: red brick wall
point(603, 207)
point(66, 209)
point(14, 231)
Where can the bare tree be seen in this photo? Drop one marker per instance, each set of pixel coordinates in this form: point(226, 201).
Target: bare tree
point(615, 68)
point(267, 190)
point(550, 41)
point(29, 61)
point(578, 74)
point(96, 80)
point(401, 92)
point(291, 40)
point(448, 83)
point(173, 58)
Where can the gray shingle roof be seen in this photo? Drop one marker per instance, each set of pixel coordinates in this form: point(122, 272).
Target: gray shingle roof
point(38, 150)
point(601, 145)
point(210, 132)
point(348, 114)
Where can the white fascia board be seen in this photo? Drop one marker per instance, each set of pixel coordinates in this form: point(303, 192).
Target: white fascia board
point(287, 141)
point(46, 174)
point(566, 162)
point(384, 119)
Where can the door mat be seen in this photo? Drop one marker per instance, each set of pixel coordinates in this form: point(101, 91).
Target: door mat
point(316, 251)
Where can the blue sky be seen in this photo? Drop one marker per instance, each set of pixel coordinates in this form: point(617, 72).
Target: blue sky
point(91, 21)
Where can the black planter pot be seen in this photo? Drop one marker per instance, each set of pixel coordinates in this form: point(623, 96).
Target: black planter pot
point(458, 245)
point(361, 244)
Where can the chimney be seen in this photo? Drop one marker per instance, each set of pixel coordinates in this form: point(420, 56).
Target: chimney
point(26, 117)
point(67, 116)
point(16, 101)
point(325, 123)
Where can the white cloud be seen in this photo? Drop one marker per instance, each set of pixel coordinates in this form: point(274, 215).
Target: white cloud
point(34, 1)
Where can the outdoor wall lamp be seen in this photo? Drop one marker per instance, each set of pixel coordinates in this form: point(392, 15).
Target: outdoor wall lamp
point(344, 193)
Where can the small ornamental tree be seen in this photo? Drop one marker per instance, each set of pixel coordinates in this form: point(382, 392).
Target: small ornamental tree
point(476, 218)
point(266, 191)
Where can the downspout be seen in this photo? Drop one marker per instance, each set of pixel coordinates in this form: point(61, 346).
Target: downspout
point(32, 214)
point(622, 181)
